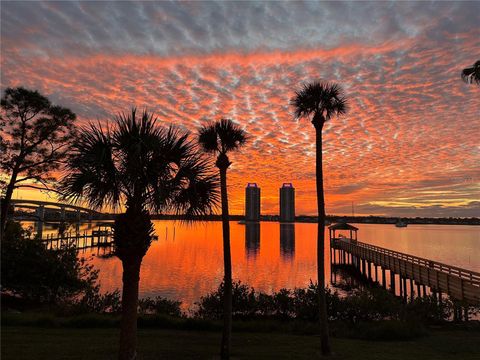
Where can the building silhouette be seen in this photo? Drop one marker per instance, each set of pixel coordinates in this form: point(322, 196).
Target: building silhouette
point(252, 202)
point(252, 239)
point(287, 203)
point(287, 241)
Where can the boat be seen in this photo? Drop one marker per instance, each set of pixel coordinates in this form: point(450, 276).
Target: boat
point(401, 224)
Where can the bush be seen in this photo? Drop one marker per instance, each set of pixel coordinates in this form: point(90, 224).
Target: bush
point(305, 302)
point(369, 305)
point(244, 303)
point(248, 304)
point(427, 309)
point(301, 304)
point(36, 274)
point(92, 301)
point(159, 306)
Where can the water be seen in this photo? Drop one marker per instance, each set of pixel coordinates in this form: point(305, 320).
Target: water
point(186, 261)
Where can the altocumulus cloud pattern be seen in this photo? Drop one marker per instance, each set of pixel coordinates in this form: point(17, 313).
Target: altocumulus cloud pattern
point(408, 145)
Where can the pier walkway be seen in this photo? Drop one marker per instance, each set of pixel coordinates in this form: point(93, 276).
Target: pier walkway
point(460, 284)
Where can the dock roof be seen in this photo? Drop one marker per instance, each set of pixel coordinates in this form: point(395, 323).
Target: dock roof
point(342, 226)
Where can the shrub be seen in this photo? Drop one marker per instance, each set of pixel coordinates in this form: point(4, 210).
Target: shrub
point(244, 303)
point(365, 305)
point(427, 309)
point(34, 273)
point(369, 305)
point(159, 306)
point(92, 301)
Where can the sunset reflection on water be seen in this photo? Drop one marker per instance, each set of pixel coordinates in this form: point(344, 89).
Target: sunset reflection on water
point(186, 261)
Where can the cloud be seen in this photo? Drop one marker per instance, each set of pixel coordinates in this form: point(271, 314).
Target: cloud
point(179, 28)
point(412, 123)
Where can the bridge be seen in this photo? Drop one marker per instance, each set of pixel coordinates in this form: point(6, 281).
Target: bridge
point(40, 206)
point(460, 284)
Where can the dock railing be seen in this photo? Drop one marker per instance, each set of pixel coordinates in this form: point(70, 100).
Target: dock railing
point(96, 238)
point(460, 283)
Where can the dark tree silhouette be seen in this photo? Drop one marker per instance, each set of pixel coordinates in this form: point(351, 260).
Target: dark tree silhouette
point(34, 139)
point(472, 74)
point(142, 167)
point(319, 102)
point(220, 138)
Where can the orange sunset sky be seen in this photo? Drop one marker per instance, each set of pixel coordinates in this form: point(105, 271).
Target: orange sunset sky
point(408, 146)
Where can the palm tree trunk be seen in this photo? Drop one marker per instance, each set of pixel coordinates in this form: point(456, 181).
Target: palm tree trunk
point(128, 330)
point(324, 338)
point(227, 260)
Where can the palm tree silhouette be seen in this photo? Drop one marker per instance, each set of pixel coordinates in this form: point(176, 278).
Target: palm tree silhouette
point(319, 102)
point(472, 74)
point(219, 138)
point(142, 167)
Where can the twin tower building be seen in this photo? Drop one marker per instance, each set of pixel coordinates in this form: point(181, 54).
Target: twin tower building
point(287, 203)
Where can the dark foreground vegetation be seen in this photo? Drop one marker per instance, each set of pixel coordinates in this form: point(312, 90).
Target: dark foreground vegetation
point(64, 315)
point(101, 343)
point(368, 324)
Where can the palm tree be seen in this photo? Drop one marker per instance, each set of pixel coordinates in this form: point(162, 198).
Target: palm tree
point(319, 102)
point(219, 138)
point(142, 167)
point(472, 74)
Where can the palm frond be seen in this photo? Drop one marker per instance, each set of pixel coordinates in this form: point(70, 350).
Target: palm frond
point(208, 138)
point(472, 74)
point(230, 135)
point(91, 173)
point(318, 97)
point(222, 136)
point(145, 165)
point(176, 145)
point(197, 185)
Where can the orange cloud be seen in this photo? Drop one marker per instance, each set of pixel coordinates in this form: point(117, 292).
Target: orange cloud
point(411, 126)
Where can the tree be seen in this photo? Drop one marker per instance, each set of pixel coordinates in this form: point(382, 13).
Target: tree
point(319, 102)
point(34, 138)
point(143, 167)
point(472, 74)
point(220, 138)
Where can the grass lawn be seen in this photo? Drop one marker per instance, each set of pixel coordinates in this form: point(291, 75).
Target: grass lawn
point(66, 343)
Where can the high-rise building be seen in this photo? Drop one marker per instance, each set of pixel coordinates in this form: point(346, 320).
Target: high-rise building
point(252, 202)
point(287, 203)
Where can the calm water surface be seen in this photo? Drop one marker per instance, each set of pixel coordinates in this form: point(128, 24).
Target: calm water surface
point(187, 260)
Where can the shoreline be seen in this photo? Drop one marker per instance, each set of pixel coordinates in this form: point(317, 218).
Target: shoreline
point(330, 219)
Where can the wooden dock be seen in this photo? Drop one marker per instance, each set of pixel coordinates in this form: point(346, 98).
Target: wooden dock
point(96, 238)
point(460, 284)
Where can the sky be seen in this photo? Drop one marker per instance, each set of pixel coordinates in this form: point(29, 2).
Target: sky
point(408, 146)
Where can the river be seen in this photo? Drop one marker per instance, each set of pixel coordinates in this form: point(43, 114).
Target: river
point(186, 261)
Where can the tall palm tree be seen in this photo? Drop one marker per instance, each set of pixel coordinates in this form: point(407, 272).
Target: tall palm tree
point(472, 74)
point(142, 167)
point(220, 138)
point(319, 102)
